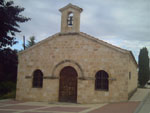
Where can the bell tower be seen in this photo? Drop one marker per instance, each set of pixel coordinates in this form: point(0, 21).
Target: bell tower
point(70, 18)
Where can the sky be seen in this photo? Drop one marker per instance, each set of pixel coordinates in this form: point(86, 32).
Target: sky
point(123, 23)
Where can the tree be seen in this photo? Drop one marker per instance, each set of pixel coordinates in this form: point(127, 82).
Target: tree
point(31, 41)
point(9, 19)
point(8, 70)
point(8, 65)
point(143, 63)
point(9, 25)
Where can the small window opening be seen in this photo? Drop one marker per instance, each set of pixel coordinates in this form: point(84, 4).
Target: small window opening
point(129, 75)
point(101, 81)
point(37, 79)
point(70, 19)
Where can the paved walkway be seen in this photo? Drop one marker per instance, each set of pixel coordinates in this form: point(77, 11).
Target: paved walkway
point(12, 106)
point(140, 94)
point(145, 108)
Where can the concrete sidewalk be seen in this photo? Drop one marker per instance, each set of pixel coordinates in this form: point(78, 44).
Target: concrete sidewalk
point(12, 106)
point(144, 106)
point(140, 94)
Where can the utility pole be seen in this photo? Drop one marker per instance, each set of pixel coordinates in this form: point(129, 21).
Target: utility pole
point(24, 43)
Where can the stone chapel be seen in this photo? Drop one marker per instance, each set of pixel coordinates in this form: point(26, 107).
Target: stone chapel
point(72, 66)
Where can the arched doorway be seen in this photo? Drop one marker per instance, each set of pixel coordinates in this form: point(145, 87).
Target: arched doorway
point(68, 85)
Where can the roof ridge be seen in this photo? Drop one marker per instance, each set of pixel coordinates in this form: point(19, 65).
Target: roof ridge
point(112, 46)
point(109, 44)
point(86, 36)
point(39, 43)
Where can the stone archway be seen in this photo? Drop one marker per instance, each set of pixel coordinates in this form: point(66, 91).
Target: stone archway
point(68, 85)
point(58, 67)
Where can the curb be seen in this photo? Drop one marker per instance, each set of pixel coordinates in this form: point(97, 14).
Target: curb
point(142, 103)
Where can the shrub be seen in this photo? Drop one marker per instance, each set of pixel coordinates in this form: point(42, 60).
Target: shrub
point(6, 87)
point(11, 94)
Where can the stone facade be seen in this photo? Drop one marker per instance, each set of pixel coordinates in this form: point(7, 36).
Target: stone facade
point(87, 55)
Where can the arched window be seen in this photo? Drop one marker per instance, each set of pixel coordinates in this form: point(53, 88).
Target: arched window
point(101, 81)
point(37, 79)
point(70, 19)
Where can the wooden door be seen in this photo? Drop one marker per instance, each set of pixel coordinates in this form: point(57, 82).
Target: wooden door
point(68, 85)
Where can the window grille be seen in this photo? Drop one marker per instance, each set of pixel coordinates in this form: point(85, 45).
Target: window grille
point(101, 81)
point(37, 79)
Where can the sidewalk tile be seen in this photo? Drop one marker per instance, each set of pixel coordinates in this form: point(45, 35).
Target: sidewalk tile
point(64, 109)
point(2, 111)
point(124, 107)
point(20, 107)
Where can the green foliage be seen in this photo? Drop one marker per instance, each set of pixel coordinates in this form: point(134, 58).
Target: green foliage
point(8, 65)
point(31, 42)
point(144, 71)
point(9, 19)
point(6, 87)
point(11, 94)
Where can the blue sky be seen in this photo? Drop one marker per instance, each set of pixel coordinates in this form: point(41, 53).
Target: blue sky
point(124, 23)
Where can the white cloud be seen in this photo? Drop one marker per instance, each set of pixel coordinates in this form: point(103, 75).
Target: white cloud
point(125, 23)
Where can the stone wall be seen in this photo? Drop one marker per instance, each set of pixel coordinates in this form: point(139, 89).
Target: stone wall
point(133, 79)
point(83, 53)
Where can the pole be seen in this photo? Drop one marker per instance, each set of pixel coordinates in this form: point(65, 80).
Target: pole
point(24, 43)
